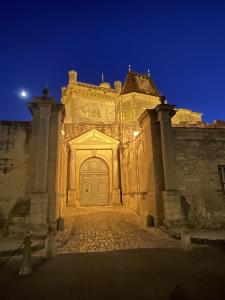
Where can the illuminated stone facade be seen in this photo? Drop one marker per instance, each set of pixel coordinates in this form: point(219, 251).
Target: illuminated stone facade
point(112, 146)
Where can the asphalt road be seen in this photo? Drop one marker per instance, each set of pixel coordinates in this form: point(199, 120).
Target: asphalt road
point(127, 274)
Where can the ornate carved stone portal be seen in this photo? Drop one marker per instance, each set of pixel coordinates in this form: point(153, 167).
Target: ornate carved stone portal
point(93, 170)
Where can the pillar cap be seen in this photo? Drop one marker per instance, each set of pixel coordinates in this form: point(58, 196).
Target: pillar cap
point(169, 108)
point(45, 92)
point(44, 98)
point(162, 99)
point(164, 106)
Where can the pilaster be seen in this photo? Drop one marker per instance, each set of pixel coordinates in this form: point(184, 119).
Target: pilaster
point(116, 180)
point(71, 187)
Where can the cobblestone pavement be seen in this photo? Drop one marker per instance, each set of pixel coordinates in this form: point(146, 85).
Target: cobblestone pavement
point(108, 228)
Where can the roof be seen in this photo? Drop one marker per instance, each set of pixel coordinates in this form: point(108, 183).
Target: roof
point(139, 83)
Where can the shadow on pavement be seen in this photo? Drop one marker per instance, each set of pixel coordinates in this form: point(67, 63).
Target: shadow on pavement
point(128, 274)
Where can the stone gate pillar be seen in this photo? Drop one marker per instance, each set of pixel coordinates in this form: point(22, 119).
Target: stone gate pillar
point(164, 113)
point(42, 148)
point(171, 195)
point(40, 187)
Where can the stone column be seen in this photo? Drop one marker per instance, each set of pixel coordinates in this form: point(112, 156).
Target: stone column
point(42, 150)
point(116, 178)
point(40, 190)
point(71, 179)
point(170, 195)
point(164, 113)
point(39, 196)
point(34, 142)
point(152, 178)
point(60, 196)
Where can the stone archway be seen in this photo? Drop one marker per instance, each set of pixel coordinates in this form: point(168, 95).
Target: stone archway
point(94, 182)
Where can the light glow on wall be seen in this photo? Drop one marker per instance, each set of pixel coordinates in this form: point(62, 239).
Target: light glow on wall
point(135, 133)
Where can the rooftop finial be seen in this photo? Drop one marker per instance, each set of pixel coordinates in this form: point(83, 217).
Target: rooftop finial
point(45, 92)
point(129, 68)
point(148, 73)
point(102, 77)
point(163, 99)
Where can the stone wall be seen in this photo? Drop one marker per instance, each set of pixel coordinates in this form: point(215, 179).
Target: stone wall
point(186, 116)
point(14, 163)
point(171, 173)
point(89, 104)
point(134, 104)
point(199, 151)
point(92, 109)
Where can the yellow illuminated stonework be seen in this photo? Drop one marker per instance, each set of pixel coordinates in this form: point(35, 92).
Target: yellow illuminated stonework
point(118, 145)
point(97, 120)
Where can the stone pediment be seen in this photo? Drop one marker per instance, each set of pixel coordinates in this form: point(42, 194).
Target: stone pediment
point(93, 137)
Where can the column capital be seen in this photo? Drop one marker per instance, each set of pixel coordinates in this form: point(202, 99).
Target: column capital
point(165, 111)
point(41, 106)
point(67, 148)
point(44, 100)
point(71, 148)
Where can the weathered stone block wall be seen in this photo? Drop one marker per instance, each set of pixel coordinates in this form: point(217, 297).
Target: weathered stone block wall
point(89, 104)
point(87, 109)
point(199, 151)
point(142, 102)
point(186, 116)
point(14, 160)
point(134, 104)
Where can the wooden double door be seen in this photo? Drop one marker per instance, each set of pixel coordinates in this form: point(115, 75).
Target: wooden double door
point(94, 183)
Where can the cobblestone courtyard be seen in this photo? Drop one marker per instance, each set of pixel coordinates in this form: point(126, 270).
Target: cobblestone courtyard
point(90, 229)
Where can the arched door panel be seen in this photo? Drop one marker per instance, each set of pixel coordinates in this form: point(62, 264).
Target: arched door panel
point(94, 187)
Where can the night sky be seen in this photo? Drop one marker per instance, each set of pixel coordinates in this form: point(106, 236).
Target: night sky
point(181, 42)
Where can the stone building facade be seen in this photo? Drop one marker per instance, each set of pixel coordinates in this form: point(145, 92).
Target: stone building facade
point(103, 145)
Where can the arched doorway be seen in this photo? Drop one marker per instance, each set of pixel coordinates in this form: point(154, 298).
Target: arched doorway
point(94, 182)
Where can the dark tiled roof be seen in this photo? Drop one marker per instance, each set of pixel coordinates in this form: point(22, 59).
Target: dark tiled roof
point(139, 83)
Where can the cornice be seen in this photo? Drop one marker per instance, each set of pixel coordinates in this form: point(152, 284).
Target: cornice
point(95, 93)
point(134, 95)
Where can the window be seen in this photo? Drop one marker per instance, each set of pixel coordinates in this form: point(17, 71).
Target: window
point(222, 176)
